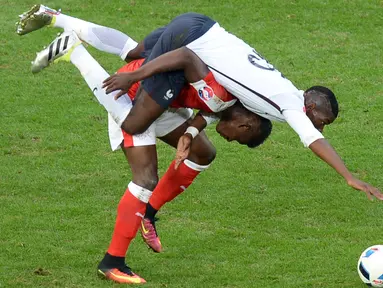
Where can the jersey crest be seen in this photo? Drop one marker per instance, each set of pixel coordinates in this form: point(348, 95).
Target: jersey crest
point(206, 93)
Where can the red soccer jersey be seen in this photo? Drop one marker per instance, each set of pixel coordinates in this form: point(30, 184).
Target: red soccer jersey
point(210, 96)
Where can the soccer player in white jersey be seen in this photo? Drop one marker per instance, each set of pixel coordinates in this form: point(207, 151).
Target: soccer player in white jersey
point(256, 83)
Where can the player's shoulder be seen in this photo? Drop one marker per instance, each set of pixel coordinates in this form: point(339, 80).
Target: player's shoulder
point(292, 100)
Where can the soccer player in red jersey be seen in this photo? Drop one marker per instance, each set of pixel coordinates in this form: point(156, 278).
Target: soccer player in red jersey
point(143, 195)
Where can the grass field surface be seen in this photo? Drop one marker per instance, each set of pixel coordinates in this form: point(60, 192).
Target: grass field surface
point(275, 216)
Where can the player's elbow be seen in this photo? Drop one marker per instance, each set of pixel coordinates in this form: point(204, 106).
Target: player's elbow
point(186, 56)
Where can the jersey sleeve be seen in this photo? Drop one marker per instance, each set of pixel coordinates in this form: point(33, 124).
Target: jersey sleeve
point(212, 94)
point(302, 126)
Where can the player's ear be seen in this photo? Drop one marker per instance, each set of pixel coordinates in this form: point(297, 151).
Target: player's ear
point(245, 126)
point(310, 107)
point(244, 122)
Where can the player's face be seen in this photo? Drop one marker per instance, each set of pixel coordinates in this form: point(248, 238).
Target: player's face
point(234, 130)
point(319, 118)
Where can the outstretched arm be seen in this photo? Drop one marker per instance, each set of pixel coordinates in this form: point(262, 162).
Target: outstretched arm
point(179, 59)
point(316, 142)
point(325, 151)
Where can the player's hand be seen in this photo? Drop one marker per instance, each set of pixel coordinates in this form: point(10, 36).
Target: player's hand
point(370, 191)
point(183, 149)
point(120, 81)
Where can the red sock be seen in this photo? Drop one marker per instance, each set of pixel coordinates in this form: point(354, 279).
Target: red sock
point(174, 182)
point(129, 215)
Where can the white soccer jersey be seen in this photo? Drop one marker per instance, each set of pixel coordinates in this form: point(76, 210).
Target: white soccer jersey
point(256, 83)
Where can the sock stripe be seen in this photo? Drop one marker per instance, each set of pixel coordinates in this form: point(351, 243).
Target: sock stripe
point(66, 42)
point(195, 166)
point(58, 46)
point(50, 52)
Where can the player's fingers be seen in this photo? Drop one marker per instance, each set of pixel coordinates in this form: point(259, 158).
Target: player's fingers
point(367, 189)
point(178, 162)
point(107, 82)
point(108, 79)
point(119, 94)
point(109, 88)
point(182, 158)
point(377, 194)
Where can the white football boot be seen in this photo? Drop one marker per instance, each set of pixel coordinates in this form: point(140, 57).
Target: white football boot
point(37, 17)
point(59, 50)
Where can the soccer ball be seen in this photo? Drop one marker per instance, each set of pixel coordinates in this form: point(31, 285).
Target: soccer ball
point(370, 266)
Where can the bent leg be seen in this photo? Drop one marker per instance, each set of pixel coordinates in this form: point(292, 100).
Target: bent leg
point(94, 75)
point(100, 37)
point(174, 182)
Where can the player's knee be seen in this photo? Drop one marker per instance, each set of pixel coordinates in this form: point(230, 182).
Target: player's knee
point(133, 127)
point(203, 154)
point(126, 127)
point(129, 127)
point(146, 180)
point(150, 184)
point(210, 154)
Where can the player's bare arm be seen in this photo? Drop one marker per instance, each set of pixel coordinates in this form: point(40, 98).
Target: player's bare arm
point(184, 143)
point(328, 154)
point(179, 59)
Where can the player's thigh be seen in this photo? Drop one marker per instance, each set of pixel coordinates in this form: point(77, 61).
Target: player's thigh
point(184, 29)
point(151, 40)
point(164, 88)
point(173, 125)
point(141, 154)
point(180, 32)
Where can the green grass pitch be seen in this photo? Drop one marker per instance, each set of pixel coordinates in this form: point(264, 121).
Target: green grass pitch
point(275, 216)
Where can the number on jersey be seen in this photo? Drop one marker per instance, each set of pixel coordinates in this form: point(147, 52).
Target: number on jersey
point(258, 61)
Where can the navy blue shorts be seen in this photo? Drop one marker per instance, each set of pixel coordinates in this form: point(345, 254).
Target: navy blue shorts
point(184, 29)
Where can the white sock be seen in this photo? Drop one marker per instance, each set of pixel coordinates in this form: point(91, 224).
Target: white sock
point(139, 192)
point(102, 38)
point(94, 76)
point(195, 166)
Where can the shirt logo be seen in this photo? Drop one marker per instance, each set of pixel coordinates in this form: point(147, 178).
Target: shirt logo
point(206, 93)
point(169, 94)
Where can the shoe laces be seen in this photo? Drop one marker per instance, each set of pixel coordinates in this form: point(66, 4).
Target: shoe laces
point(152, 231)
